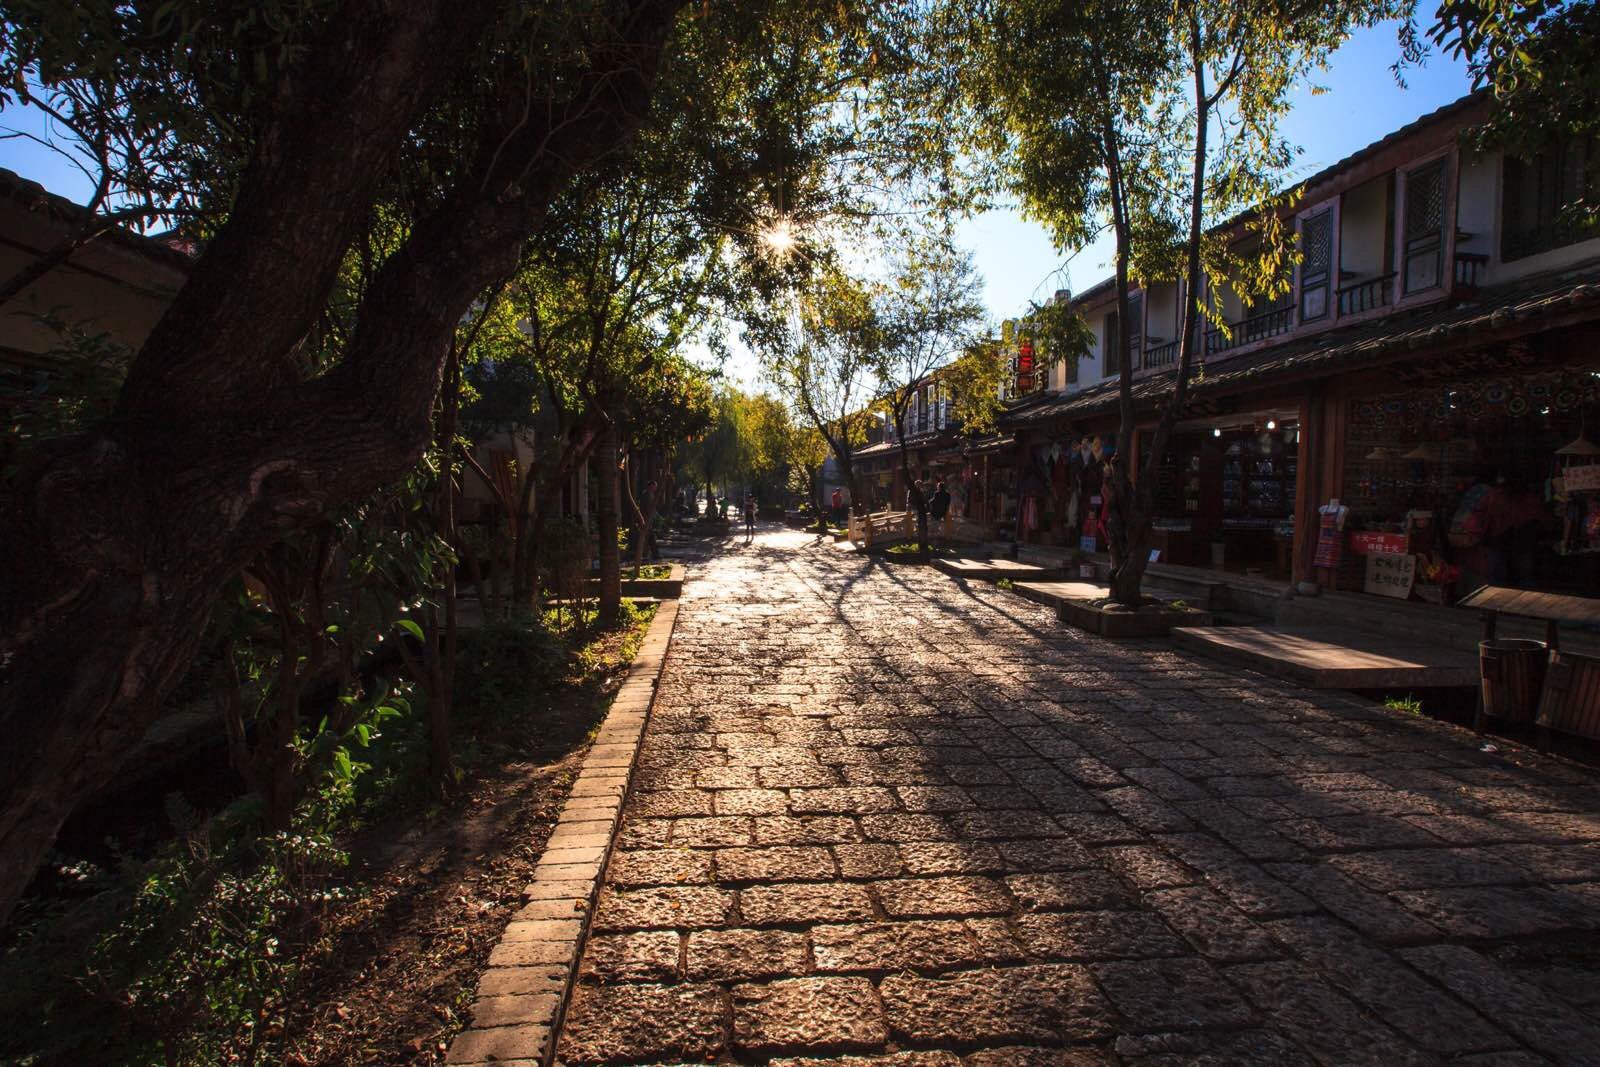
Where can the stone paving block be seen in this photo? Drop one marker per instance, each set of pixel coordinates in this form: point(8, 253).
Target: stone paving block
point(644, 833)
point(898, 828)
point(1165, 994)
point(1433, 868)
point(935, 799)
point(1367, 910)
point(939, 857)
point(548, 980)
point(1350, 833)
point(1218, 930)
point(1294, 1000)
point(1145, 867)
point(656, 867)
point(934, 945)
point(565, 929)
point(1009, 825)
point(780, 863)
point(910, 898)
point(1097, 935)
point(803, 903)
point(1068, 891)
point(812, 1014)
point(743, 955)
point(1146, 810)
point(805, 830)
point(1528, 1012)
point(1385, 986)
point(1045, 854)
point(1017, 1056)
point(679, 802)
point(1015, 1004)
point(531, 953)
point(639, 1023)
point(1554, 863)
point(868, 861)
point(802, 776)
point(728, 778)
point(894, 1059)
point(713, 832)
point(500, 1044)
point(513, 1011)
point(556, 908)
point(751, 802)
point(668, 907)
point(650, 956)
point(1095, 829)
point(845, 800)
point(1248, 886)
point(1498, 911)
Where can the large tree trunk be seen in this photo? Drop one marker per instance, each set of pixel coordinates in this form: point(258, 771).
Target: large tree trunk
point(605, 521)
point(1137, 501)
point(118, 540)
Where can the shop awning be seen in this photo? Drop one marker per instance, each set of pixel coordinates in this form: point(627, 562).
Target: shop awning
point(985, 446)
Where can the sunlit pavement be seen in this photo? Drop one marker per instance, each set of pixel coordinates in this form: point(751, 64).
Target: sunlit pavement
point(882, 816)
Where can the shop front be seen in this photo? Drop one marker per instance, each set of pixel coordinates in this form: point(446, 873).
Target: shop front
point(1225, 492)
point(1487, 478)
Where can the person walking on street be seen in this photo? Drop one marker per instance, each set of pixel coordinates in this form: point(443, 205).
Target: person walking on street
point(749, 519)
point(939, 511)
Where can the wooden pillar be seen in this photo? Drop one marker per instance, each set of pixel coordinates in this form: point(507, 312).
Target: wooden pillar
point(1307, 487)
point(1321, 469)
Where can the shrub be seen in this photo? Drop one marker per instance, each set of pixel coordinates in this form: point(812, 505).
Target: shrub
point(500, 667)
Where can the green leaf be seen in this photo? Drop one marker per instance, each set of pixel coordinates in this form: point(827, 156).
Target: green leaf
point(410, 626)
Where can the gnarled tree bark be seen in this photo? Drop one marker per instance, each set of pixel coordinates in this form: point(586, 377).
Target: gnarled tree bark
point(119, 539)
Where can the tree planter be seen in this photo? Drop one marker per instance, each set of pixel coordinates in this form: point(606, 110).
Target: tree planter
point(668, 588)
point(1113, 620)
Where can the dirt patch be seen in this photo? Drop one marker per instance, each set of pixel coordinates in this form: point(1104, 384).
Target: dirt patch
point(394, 958)
point(403, 961)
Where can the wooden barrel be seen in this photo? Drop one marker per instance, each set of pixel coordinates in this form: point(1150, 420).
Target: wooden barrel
point(1571, 702)
point(1513, 675)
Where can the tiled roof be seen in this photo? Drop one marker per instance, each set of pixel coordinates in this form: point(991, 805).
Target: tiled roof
point(36, 198)
point(1364, 345)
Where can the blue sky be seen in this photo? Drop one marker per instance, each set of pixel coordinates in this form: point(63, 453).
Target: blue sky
point(1362, 103)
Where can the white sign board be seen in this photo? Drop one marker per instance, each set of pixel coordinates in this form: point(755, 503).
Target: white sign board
point(1390, 574)
point(1581, 479)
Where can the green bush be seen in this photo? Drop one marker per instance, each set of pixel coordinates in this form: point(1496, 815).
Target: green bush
point(500, 667)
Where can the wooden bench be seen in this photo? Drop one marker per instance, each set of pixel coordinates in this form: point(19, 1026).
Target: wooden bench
point(1570, 700)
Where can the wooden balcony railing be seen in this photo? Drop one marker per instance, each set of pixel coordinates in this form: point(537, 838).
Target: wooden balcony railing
point(1469, 269)
point(1255, 328)
point(1161, 355)
point(1367, 295)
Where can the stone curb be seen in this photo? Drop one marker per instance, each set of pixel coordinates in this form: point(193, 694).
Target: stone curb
point(523, 993)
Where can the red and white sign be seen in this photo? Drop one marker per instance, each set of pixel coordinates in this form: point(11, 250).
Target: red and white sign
point(1368, 542)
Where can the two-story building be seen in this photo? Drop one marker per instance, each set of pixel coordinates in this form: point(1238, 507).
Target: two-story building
point(1434, 367)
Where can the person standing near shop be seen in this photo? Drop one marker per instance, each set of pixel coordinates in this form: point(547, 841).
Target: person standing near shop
point(939, 510)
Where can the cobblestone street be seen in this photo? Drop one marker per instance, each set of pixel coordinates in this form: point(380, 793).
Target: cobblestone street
point(880, 818)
